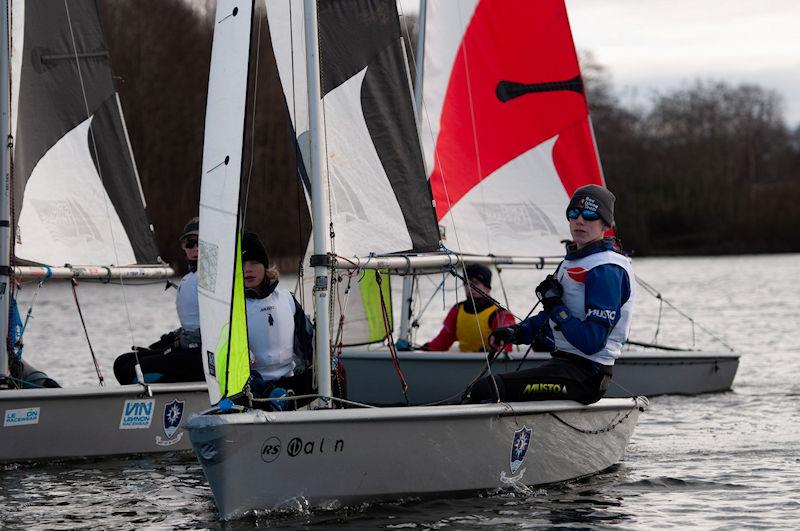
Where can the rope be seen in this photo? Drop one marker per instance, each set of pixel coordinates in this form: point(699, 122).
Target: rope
point(392, 350)
point(74, 284)
point(28, 317)
point(641, 404)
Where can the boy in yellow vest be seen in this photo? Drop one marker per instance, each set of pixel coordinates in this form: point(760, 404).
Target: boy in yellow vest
point(471, 321)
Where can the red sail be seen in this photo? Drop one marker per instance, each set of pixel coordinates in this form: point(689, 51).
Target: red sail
point(527, 44)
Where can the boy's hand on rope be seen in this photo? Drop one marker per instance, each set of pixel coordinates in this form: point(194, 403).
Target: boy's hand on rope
point(500, 337)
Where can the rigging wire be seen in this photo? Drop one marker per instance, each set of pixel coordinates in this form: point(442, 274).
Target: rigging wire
point(253, 119)
point(655, 293)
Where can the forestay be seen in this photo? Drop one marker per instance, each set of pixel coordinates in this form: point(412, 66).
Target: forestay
point(220, 284)
point(505, 124)
point(74, 174)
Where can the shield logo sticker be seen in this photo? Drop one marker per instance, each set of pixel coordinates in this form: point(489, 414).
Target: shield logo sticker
point(173, 413)
point(522, 439)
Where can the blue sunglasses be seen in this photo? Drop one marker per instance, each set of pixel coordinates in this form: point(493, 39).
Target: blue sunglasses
point(588, 215)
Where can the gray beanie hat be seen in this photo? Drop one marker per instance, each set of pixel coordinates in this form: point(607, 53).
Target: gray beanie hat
point(595, 198)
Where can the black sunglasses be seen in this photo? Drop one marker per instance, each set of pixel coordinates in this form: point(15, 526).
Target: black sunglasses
point(190, 243)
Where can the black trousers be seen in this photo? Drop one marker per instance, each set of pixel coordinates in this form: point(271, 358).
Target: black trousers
point(564, 377)
point(161, 366)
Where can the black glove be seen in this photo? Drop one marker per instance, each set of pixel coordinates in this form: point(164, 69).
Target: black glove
point(166, 341)
point(503, 336)
point(550, 292)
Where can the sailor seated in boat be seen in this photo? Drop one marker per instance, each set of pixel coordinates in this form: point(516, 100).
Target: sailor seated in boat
point(471, 321)
point(176, 357)
point(278, 331)
point(586, 317)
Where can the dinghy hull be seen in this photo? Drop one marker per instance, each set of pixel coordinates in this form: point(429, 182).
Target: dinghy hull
point(435, 376)
point(40, 424)
point(259, 460)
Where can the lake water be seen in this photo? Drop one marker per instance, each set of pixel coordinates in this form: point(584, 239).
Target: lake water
point(721, 461)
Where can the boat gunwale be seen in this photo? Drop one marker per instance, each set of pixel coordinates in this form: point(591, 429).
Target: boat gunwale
point(645, 356)
point(374, 414)
point(138, 390)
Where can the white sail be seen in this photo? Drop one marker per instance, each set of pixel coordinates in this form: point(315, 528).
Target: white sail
point(66, 214)
point(219, 195)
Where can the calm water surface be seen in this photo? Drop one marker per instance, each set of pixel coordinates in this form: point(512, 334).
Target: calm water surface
point(722, 461)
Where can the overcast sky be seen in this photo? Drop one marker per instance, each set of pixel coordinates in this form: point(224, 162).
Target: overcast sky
point(655, 45)
point(662, 44)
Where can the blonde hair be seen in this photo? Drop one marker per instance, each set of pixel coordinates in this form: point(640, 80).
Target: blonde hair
point(272, 273)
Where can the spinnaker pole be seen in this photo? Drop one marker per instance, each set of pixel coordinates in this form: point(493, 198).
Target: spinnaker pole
point(319, 211)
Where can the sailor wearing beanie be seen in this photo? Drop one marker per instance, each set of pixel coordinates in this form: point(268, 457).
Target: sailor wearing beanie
point(586, 318)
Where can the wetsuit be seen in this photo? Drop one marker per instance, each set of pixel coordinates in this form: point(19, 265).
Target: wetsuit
point(585, 333)
point(460, 325)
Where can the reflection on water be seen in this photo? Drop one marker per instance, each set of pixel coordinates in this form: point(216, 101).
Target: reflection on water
point(726, 460)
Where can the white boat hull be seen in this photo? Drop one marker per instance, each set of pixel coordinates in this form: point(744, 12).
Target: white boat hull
point(436, 376)
point(39, 424)
point(328, 458)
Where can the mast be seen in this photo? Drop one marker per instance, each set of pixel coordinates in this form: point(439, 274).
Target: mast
point(5, 191)
point(408, 281)
point(319, 212)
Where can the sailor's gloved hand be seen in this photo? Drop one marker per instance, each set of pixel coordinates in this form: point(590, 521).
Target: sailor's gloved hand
point(501, 337)
point(549, 291)
point(167, 341)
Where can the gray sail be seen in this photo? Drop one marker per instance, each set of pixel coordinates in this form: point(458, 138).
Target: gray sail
point(77, 197)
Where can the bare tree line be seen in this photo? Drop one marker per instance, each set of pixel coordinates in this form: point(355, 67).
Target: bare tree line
point(710, 168)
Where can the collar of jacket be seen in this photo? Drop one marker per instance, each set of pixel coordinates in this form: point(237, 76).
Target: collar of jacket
point(261, 292)
point(606, 244)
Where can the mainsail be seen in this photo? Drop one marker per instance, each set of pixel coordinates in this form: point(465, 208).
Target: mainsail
point(74, 174)
point(380, 201)
point(505, 124)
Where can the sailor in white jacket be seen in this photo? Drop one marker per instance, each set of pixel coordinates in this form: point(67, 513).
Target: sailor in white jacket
point(273, 315)
point(586, 318)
